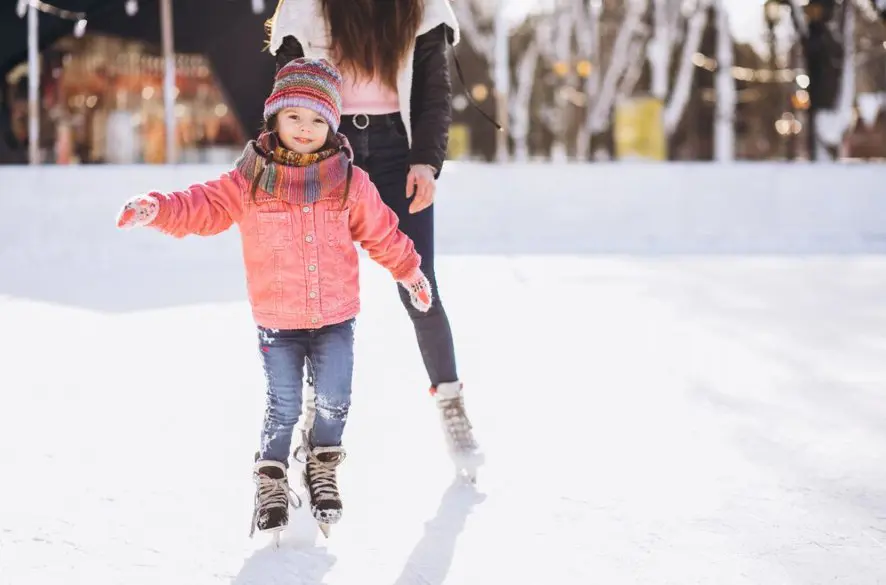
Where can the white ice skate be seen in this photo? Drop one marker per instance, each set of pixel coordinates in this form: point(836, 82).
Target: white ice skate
point(463, 449)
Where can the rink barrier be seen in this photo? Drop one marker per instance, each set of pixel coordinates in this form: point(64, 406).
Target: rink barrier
point(636, 208)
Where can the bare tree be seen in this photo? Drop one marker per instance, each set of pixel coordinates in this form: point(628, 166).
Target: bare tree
point(724, 125)
point(598, 114)
point(555, 37)
point(572, 35)
point(588, 19)
point(666, 26)
point(833, 123)
point(870, 34)
point(482, 24)
point(635, 68)
point(670, 18)
point(682, 88)
point(475, 25)
point(520, 101)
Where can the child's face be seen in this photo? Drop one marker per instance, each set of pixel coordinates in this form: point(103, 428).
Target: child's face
point(302, 130)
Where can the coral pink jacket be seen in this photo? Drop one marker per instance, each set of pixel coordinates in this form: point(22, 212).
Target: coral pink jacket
point(301, 262)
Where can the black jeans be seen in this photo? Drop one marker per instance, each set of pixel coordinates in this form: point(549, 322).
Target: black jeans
point(381, 149)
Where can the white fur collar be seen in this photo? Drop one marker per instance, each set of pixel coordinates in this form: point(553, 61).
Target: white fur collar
point(290, 19)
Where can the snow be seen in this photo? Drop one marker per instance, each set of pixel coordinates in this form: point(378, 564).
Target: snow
point(652, 411)
point(869, 106)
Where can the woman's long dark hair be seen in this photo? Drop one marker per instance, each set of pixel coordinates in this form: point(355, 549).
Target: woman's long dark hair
point(372, 37)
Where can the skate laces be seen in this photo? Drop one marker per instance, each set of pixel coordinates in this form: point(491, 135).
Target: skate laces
point(455, 419)
point(273, 493)
point(321, 474)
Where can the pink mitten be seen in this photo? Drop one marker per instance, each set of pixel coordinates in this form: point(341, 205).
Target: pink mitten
point(419, 290)
point(139, 211)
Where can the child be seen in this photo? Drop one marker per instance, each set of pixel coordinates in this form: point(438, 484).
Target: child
point(300, 204)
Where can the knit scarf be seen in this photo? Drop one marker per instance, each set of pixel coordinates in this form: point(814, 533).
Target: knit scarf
point(293, 177)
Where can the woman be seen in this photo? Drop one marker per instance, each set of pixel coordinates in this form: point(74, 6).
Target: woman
point(396, 105)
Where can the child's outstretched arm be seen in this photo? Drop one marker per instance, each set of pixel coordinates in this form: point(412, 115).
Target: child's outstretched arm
point(204, 209)
point(374, 225)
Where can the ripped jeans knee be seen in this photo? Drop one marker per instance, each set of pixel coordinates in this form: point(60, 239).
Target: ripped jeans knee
point(332, 365)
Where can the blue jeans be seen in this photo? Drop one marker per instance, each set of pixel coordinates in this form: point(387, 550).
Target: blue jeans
point(330, 350)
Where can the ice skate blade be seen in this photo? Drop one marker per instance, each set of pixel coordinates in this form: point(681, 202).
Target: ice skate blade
point(466, 468)
point(468, 476)
point(467, 460)
point(274, 534)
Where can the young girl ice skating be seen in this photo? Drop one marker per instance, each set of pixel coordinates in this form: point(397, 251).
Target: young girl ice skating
point(300, 204)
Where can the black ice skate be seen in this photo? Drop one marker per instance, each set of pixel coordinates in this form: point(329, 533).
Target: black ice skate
point(271, 514)
point(457, 429)
point(321, 483)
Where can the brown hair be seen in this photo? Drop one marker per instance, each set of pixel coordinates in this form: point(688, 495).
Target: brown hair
point(270, 125)
point(371, 36)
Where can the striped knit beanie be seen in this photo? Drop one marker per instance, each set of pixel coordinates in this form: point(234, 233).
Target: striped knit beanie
point(307, 83)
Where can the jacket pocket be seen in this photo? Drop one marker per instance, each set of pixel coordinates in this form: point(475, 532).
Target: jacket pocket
point(267, 268)
point(274, 229)
point(338, 231)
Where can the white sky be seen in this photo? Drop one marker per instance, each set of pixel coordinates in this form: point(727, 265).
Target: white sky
point(747, 19)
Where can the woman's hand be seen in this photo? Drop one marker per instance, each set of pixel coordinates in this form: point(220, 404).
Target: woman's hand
point(420, 183)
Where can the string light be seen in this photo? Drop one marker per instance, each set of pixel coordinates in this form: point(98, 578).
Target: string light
point(131, 7)
point(80, 28)
point(747, 73)
point(78, 17)
point(258, 6)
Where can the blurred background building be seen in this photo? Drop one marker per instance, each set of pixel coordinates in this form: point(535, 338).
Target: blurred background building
point(579, 80)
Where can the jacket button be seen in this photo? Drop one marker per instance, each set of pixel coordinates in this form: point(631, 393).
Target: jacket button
point(313, 319)
point(312, 268)
point(313, 294)
point(306, 209)
point(309, 239)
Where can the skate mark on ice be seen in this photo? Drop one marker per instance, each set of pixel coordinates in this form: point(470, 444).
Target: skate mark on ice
point(285, 566)
point(296, 561)
point(431, 557)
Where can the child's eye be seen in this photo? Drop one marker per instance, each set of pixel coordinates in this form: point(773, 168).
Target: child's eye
point(319, 121)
